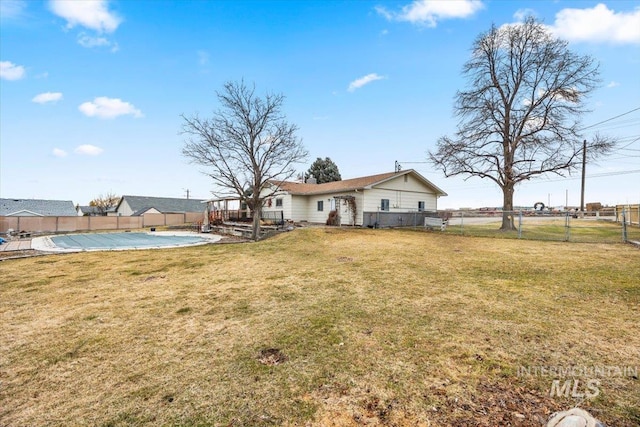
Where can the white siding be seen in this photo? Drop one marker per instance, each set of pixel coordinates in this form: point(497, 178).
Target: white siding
point(399, 201)
point(151, 211)
point(299, 208)
point(411, 184)
point(286, 205)
point(124, 209)
point(403, 196)
point(313, 215)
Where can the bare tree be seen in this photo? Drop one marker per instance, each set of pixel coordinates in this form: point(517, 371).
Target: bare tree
point(519, 117)
point(104, 203)
point(247, 143)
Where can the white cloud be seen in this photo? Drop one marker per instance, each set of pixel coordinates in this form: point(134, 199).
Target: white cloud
point(429, 12)
point(358, 83)
point(93, 14)
point(598, 24)
point(59, 153)
point(12, 9)
point(89, 150)
point(85, 40)
point(613, 84)
point(88, 41)
point(384, 12)
point(521, 14)
point(203, 57)
point(11, 71)
point(108, 108)
point(43, 98)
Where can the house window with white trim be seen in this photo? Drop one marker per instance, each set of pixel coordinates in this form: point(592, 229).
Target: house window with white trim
point(320, 205)
point(384, 204)
point(420, 206)
point(278, 203)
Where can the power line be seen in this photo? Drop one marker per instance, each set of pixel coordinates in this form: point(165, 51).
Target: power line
point(612, 118)
point(597, 175)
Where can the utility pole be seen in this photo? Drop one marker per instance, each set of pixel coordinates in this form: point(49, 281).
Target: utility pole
point(584, 166)
point(187, 190)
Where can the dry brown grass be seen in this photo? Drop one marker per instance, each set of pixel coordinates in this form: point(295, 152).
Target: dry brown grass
point(374, 327)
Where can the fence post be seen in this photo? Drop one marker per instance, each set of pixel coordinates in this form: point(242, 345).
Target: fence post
point(462, 223)
point(624, 226)
point(567, 228)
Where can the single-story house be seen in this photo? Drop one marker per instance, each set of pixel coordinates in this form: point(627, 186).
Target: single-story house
point(354, 200)
point(95, 211)
point(141, 205)
point(88, 211)
point(36, 207)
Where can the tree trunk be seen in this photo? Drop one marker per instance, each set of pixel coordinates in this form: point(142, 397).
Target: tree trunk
point(257, 213)
point(507, 208)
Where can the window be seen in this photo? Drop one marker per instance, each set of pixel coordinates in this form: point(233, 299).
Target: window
point(320, 205)
point(384, 204)
point(420, 206)
point(278, 203)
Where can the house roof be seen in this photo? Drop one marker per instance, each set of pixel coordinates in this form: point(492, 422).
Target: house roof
point(362, 183)
point(14, 207)
point(88, 210)
point(162, 204)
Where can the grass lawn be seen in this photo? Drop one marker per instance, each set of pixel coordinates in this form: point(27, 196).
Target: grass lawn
point(371, 327)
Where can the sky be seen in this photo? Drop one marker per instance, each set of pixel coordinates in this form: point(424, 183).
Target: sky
point(92, 92)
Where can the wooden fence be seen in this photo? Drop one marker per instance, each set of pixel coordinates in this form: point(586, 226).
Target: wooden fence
point(632, 213)
point(67, 224)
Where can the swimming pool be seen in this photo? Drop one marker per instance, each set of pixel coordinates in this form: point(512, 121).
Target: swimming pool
point(120, 241)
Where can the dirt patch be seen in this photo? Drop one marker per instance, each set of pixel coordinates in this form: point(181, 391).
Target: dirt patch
point(491, 404)
point(271, 357)
point(495, 404)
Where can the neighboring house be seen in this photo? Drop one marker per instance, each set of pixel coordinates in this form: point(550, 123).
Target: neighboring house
point(395, 192)
point(141, 205)
point(95, 211)
point(88, 211)
point(36, 207)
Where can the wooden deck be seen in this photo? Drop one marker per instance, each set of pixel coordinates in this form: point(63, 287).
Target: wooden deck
point(16, 245)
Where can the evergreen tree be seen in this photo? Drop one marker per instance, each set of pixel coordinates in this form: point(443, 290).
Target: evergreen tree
point(324, 170)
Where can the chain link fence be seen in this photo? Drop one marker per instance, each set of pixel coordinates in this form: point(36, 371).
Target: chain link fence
point(546, 225)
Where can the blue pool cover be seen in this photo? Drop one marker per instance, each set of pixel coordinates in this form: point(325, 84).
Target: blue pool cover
point(122, 241)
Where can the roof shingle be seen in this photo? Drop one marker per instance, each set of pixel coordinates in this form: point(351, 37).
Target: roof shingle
point(298, 188)
point(38, 207)
point(163, 204)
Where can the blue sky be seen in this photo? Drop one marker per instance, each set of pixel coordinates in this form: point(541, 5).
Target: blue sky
point(91, 92)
